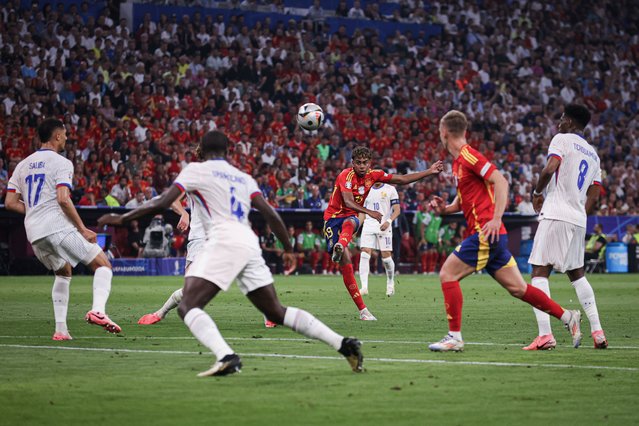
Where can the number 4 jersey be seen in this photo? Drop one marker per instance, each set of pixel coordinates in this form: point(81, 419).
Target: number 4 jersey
point(220, 193)
point(579, 169)
point(36, 179)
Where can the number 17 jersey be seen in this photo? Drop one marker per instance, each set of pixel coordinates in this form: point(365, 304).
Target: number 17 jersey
point(36, 179)
point(579, 169)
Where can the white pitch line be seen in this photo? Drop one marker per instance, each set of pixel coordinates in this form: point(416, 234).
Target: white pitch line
point(389, 360)
point(289, 339)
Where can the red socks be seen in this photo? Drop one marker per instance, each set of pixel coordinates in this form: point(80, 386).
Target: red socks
point(347, 233)
point(351, 285)
point(541, 301)
point(453, 301)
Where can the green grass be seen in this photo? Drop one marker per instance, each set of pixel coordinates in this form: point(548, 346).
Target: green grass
point(124, 386)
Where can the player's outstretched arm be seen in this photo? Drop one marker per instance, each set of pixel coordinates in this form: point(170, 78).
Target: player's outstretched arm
point(441, 208)
point(156, 205)
point(544, 178)
point(14, 203)
point(500, 184)
point(63, 197)
point(277, 226)
point(592, 198)
point(178, 209)
point(436, 168)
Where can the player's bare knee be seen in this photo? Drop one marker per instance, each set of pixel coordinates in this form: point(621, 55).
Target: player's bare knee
point(65, 271)
point(517, 291)
point(276, 314)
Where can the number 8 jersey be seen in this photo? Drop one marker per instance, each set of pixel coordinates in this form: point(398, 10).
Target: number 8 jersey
point(579, 169)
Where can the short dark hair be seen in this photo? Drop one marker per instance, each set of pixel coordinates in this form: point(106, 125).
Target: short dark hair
point(455, 122)
point(214, 141)
point(362, 152)
point(47, 127)
point(578, 113)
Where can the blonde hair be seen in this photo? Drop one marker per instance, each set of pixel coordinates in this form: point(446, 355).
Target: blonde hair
point(455, 122)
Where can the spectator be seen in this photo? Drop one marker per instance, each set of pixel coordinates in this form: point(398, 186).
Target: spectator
point(134, 239)
point(121, 191)
point(596, 245)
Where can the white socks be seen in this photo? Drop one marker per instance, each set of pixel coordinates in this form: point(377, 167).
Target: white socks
point(456, 335)
point(543, 319)
point(204, 329)
point(587, 299)
point(60, 297)
point(364, 268)
point(389, 265)
point(101, 288)
point(304, 323)
point(171, 303)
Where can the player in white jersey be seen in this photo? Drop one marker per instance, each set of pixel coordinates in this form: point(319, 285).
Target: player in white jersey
point(382, 198)
point(572, 178)
point(232, 251)
point(197, 238)
point(40, 188)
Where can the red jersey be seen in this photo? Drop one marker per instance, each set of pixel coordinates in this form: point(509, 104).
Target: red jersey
point(348, 180)
point(475, 193)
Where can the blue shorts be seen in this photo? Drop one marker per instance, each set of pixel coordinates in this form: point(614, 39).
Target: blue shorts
point(481, 254)
point(332, 229)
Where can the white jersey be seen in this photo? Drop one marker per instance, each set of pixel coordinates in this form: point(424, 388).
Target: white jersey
point(36, 178)
point(197, 225)
point(221, 194)
point(579, 169)
point(381, 200)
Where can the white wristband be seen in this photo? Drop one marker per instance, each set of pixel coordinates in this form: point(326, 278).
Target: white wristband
point(537, 194)
point(390, 221)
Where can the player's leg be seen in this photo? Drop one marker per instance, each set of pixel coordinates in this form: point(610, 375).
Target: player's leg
point(45, 251)
point(197, 293)
point(453, 270)
point(331, 232)
point(60, 298)
point(545, 339)
point(385, 244)
point(389, 267)
point(346, 231)
point(171, 303)
point(265, 299)
point(510, 278)
point(364, 268)
point(586, 297)
point(102, 275)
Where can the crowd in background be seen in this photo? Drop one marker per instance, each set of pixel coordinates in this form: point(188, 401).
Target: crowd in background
point(136, 102)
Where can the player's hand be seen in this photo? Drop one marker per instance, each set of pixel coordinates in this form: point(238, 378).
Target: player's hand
point(89, 235)
point(490, 231)
point(538, 202)
point(384, 226)
point(110, 219)
point(376, 215)
point(183, 224)
point(436, 168)
point(438, 204)
point(290, 262)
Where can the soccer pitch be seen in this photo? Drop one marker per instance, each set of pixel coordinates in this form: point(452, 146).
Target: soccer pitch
point(146, 375)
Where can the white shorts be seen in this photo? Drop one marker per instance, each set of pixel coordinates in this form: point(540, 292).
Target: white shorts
point(55, 250)
point(377, 240)
point(193, 248)
point(560, 244)
point(229, 256)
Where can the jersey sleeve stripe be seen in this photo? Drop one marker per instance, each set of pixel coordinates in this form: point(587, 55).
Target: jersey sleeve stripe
point(596, 182)
point(11, 190)
point(468, 157)
point(68, 185)
point(255, 194)
point(179, 186)
point(558, 157)
point(199, 197)
point(394, 201)
point(485, 169)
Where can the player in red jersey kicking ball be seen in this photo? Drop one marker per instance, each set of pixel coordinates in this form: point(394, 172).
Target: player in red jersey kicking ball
point(340, 218)
point(482, 193)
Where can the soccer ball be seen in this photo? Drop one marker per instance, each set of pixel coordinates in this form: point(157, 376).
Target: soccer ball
point(310, 117)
